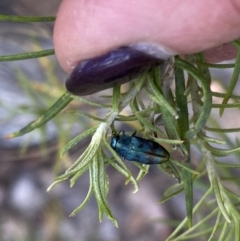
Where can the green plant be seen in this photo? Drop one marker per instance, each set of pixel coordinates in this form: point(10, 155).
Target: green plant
point(192, 89)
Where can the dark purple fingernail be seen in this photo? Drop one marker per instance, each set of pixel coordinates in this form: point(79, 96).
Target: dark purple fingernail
point(113, 68)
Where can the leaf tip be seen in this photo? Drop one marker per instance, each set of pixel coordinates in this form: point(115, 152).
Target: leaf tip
point(10, 136)
point(72, 214)
point(62, 154)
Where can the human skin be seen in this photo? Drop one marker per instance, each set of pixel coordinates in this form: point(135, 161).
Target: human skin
point(88, 28)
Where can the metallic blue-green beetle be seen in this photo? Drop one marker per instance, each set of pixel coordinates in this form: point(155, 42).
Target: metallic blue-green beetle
point(134, 148)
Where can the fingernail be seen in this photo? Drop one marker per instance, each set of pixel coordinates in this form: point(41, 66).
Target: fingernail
point(116, 67)
point(156, 50)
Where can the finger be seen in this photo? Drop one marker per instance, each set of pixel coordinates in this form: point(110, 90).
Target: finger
point(87, 28)
point(220, 53)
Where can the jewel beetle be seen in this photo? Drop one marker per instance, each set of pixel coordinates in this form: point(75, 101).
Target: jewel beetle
point(134, 148)
point(116, 67)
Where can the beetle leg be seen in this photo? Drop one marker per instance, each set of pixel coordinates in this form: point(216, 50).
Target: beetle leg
point(134, 133)
point(121, 131)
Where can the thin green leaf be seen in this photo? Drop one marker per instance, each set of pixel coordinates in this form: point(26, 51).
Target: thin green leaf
point(61, 103)
point(210, 139)
point(174, 234)
point(184, 166)
point(215, 228)
point(183, 127)
point(220, 200)
point(224, 106)
point(223, 232)
point(236, 227)
point(78, 174)
point(157, 97)
point(89, 102)
point(195, 235)
point(85, 201)
point(222, 130)
point(222, 152)
point(23, 19)
point(169, 196)
point(206, 109)
point(76, 139)
point(234, 78)
point(193, 228)
point(173, 142)
point(216, 66)
point(227, 165)
point(83, 114)
point(98, 181)
point(29, 55)
point(116, 97)
point(145, 122)
point(222, 95)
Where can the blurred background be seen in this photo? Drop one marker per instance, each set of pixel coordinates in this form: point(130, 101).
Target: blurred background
point(29, 164)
